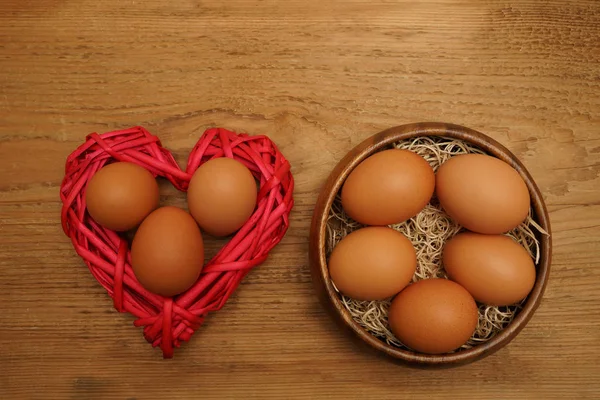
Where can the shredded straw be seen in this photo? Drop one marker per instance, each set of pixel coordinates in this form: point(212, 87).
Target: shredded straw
point(428, 231)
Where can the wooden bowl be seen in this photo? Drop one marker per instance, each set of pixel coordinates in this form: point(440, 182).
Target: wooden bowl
point(320, 274)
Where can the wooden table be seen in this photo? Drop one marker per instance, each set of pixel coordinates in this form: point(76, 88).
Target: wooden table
point(318, 77)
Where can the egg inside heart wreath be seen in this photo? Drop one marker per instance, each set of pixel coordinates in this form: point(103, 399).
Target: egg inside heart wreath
point(169, 321)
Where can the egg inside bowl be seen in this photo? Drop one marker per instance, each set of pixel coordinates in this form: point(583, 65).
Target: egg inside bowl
point(428, 231)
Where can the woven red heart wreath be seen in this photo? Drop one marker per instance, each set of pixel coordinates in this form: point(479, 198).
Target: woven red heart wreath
point(168, 322)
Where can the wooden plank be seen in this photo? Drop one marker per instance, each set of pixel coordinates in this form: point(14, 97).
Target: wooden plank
point(317, 77)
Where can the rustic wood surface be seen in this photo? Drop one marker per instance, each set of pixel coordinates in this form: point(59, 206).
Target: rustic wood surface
point(318, 77)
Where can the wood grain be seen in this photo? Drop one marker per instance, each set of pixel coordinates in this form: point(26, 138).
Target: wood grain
point(318, 77)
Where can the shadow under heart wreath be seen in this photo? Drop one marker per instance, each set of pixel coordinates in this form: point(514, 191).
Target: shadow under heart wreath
point(168, 322)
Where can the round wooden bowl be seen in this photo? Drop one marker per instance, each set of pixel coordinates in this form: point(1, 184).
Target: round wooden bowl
point(320, 274)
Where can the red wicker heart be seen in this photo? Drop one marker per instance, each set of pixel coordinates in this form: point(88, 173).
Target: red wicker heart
point(168, 322)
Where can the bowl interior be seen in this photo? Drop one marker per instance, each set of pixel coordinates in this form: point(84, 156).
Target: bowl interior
point(319, 270)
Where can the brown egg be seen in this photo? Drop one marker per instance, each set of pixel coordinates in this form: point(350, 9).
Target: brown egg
point(433, 316)
point(495, 269)
point(482, 193)
point(222, 196)
point(120, 195)
point(167, 252)
point(372, 263)
point(388, 187)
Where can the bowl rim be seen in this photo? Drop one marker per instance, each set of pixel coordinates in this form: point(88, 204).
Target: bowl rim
point(318, 263)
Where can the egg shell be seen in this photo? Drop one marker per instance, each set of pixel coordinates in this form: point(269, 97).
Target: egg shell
point(388, 187)
point(120, 195)
point(495, 269)
point(222, 196)
point(372, 263)
point(167, 252)
point(482, 193)
point(433, 316)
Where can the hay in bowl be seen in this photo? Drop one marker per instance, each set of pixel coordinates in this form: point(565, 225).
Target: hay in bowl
point(428, 231)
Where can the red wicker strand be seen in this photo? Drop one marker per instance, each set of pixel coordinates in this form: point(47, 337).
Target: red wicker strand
point(167, 322)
